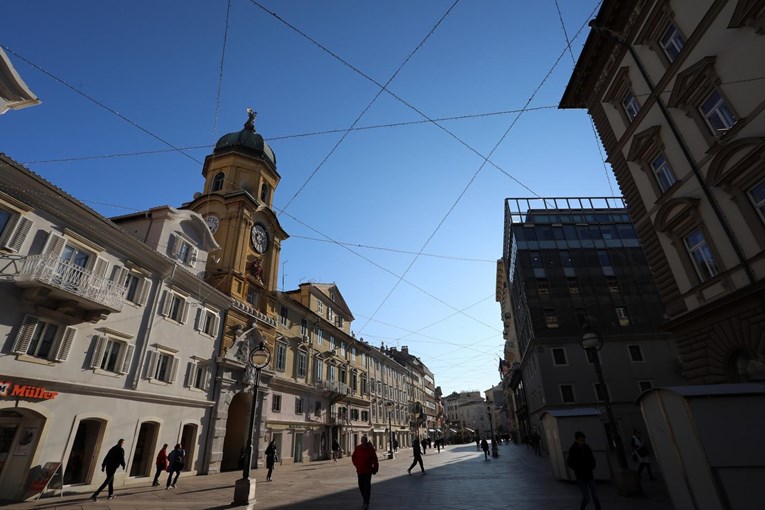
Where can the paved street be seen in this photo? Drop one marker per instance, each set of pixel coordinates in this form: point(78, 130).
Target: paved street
point(457, 479)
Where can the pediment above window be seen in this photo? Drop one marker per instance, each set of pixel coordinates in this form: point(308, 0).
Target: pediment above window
point(674, 213)
point(738, 163)
point(656, 24)
point(619, 87)
point(645, 145)
point(693, 84)
point(750, 13)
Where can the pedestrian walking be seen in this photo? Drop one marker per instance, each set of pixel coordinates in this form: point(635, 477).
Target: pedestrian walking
point(271, 459)
point(478, 443)
point(424, 445)
point(364, 458)
point(114, 459)
point(438, 445)
point(417, 457)
point(335, 450)
point(641, 455)
point(395, 444)
point(175, 461)
point(161, 464)
point(582, 462)
point(485, 448)
point(536, 443)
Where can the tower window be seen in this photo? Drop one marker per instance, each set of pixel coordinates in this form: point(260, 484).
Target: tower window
point(264, 193)
point(217, 183)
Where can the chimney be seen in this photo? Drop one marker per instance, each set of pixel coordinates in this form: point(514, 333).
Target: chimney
point(405, 349)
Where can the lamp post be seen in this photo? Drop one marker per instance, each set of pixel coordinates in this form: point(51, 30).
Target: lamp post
point(627, 480)
point(389, 407)
point(244, 489)
point(494, 447)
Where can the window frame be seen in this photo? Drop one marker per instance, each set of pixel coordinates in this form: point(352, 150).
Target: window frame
point(639, 350)
point(663, 170)
point(301, 364)
point(562, 350)
point(704, 248)
point(720, 109)
point(630, 105)
point(299, 408)
point(276, 403)
point(563, 395)
point(59, 346)
point(283, 315)
point(280, 357)
point(549, 315)
point(674, 35)
point(623, 316)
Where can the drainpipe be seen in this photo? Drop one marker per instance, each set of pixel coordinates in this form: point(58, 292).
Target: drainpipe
point(607, 32)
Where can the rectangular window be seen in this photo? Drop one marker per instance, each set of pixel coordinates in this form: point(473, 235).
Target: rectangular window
point(364, 415)
point(613, 285)
point(319, 307)
point(164, 367)
point(672, 42)
point(353, 353)
point(591, 355)
point(701, 255)
point(317, 408)
point(318, 369)
point(559, 356)
point(199, 375)
point(41, 343)
point(331, 372)
point(601, 392)
point(573, 286)
point(210, 326)
point(302, 362)
point(183, 251)
point(364, 389)
point(631, 105)
point(757, 196)
point(174, 307)
point(542, 287)
point(343, 374)
point(132, 282)
point(567, 393)
point(663, 172)
point(111, 357)
point(303, 327)
point(717, 113)
point(276, 403)
point(298, 405)
point(252, 295)
point(551, 318)
point(636, 353)
point(645, 385)
point(283, 315)
point(320, 336)
point(567, 263)
point(353, 382)
point(605, 263)
point(623, 315)
point(280, 361)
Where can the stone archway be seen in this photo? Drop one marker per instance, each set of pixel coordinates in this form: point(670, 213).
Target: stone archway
point(236, 431)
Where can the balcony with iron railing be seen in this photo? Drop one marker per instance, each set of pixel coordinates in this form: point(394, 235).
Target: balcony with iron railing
point(65, 281)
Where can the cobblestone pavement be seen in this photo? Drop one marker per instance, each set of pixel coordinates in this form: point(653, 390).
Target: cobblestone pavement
point(458, 478)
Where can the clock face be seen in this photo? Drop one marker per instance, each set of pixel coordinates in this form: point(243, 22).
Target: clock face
point(259, 238)
point(212, 222)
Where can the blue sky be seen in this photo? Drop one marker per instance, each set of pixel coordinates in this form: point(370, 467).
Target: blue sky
point(404, 180)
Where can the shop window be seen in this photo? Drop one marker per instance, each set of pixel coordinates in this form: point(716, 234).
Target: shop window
point(41, 338)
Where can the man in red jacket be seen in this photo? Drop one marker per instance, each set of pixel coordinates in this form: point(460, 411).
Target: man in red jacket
point(365, 459)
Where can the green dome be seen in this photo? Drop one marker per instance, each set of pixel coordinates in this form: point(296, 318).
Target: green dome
point(246, 141)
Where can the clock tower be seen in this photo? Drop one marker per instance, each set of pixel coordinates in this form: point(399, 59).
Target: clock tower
point(240, 179)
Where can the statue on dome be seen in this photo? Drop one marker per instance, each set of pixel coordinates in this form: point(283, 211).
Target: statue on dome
point(250, 124)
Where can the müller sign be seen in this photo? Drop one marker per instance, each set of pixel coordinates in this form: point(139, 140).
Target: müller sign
point(11, 389)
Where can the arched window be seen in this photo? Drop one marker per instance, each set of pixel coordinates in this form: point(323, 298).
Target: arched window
point(264, 193)
point(217, 183)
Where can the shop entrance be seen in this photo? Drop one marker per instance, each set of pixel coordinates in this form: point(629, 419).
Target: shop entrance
point(8, 428)
point(143, 455)
point(236, 427)
point(82, 456)
point(188, 441)
point(20, 432)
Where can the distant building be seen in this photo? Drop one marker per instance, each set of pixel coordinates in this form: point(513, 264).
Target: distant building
point(575, 265)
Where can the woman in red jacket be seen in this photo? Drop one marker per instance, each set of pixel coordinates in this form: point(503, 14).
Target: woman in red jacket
point(161, 464)
point(365, 459)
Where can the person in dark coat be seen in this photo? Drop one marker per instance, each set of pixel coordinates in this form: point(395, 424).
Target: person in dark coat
point(114, 459)
point(417, 457)
point(365, 460)
point(335, 450)
point(424, 445)
point(161, 464)
point(271, 459)
point(485, 448)
point(582, 463)
point(176, 460)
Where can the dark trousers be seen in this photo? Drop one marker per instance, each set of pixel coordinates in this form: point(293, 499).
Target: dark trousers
point(417, 459)
point(170, 476)
point(160, 468)
point(645, 465)
point(365, 486)
point(270, 470)
point(587, 486)
point(486, 454)
point(109, 481)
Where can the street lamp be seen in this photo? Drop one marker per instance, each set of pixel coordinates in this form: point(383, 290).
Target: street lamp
point(494, 447)
point(244, 489)
point(389, 407)
point(627, 480)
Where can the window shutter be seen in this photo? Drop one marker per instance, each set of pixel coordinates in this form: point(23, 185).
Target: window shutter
point(144, 294)
point(174, 245)
point(98, 351)
point(24, 336)
point(54, 244)
point(207, 376)
point(193, 256)
point(199, 319)
point(128, 359)
point(173, 370)
point(190, 374)
point(119, 275)
point(100, 267)
point(166, 302)
point(185, 311)
point(152, 364)
point(214, 332)
point(17, 234)
point(65, 343)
